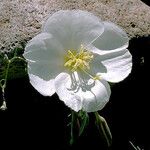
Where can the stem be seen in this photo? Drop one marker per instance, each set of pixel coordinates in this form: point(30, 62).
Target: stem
point(16, 57)
point(103, 128)
point(72, 127)
point(3, 85)
point(6, 75)
point(135, 148)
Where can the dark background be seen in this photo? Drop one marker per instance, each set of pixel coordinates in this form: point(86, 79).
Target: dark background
point(33, 121)
point(131, 101)
point(146, 2)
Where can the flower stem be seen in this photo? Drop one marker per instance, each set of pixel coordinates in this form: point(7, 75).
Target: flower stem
point(3, 82)
point(3, 86)
point(103, 128)
point(72, 127)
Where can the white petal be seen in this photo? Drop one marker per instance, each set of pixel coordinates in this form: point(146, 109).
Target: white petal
point(90, 96)
point(45, 56)
point(113, 39)
point(46, 88)
point(96, 65)
point(62, 85)
point(118, 66)
point(96, 96)
point(74, 27)
point(42, 47)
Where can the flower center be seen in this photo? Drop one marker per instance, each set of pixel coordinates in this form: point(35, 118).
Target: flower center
point(76, 61)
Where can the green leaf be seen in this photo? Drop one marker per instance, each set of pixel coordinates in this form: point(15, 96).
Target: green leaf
point(83, 123)
point(73, 123)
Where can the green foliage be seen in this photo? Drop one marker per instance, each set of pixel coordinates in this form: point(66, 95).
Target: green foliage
point(79, 122)
point(12, 65)
point(84, 120)
point(17, 67)
point(103, 128)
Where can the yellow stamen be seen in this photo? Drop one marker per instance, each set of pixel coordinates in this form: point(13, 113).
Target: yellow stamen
point(79, 61)
point(96, 77)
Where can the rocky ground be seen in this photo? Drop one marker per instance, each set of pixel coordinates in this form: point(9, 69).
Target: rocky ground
point(20, 20)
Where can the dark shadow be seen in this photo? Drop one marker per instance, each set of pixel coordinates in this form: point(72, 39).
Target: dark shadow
point(131, 101)
point(35, 121)
point(146, 2)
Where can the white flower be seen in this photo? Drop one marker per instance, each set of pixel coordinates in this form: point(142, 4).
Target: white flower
point(74, 56)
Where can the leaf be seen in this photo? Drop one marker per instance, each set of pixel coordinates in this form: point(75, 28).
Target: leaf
point(79, 121)
point(83, 123)
point(72, 126)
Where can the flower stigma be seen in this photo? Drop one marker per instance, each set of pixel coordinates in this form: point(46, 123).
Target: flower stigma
point(80, 61)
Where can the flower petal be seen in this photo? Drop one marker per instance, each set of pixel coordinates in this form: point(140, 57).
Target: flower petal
point(90, 96)
point(62, 85)
point(118, 66)
point(96, 96)
point(113, 39)
point(74, 27)
point(45, 56)
point(46, 88)
point(41, 47)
